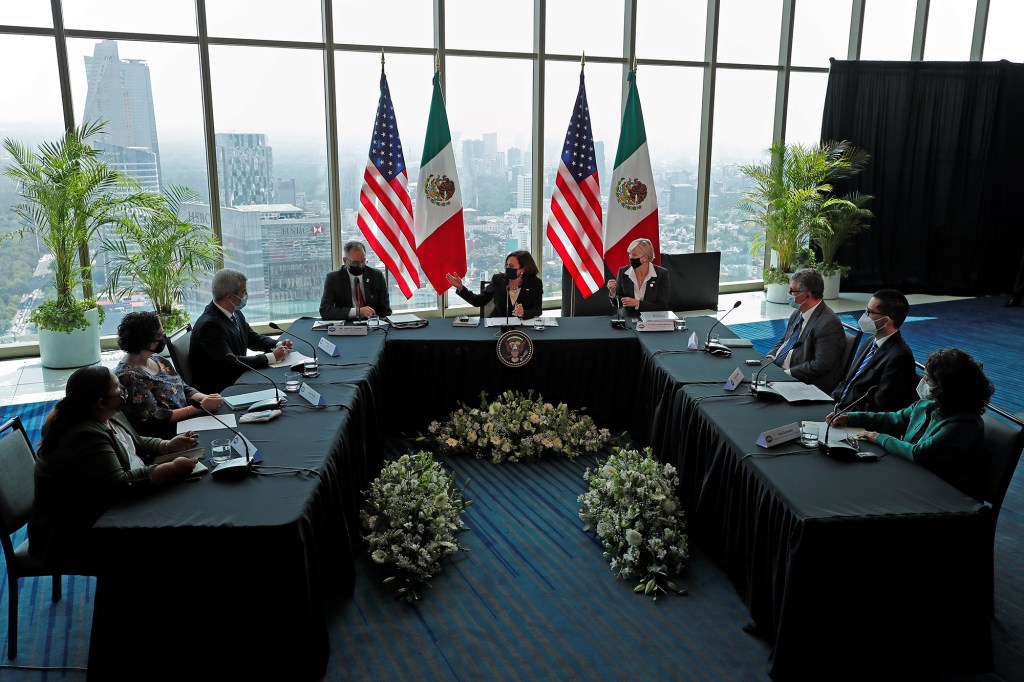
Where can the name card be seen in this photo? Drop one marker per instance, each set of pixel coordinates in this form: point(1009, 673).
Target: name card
point(734, 380)
point(312, 396)
point(238, 446)
point(692, 344)
point(778, 435)
point(328, 347)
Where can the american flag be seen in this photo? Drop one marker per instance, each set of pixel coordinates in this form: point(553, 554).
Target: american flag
point(385, 208)
point(574, 227)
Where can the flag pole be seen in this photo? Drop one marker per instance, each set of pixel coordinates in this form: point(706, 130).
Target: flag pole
point(382, 60)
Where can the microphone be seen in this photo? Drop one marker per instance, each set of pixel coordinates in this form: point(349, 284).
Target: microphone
point(842, 450)
point(234, 466)
point(764, 391)
point(316, 364)
point(277, 401)
point(720, 349)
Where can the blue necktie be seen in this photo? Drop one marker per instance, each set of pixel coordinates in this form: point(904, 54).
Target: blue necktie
point(860, 369)
point(788, 346)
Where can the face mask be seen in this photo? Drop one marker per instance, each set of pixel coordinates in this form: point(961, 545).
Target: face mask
point(242, 300)
point(511, 273)
point(123, 395)
point(924, 391)
point(791, 299)
point(867, 325)
point(160, 345)
point(635, 262)
point(356, 270)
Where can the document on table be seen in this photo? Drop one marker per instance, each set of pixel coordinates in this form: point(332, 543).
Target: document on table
point(503, 322)
point(246, 399)
point(796, 391)
point(206, 423)
point(292, 359)
point(836, 433)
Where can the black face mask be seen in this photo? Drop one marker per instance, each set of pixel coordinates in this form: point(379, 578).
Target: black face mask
point(635, 262)
point(160, 345)
point(356, 270)
point(511, 273)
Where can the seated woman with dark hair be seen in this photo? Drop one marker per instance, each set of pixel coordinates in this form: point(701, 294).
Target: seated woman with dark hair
point(157, 397)
point(90, 456)
point(518, 286)
point(944, 430)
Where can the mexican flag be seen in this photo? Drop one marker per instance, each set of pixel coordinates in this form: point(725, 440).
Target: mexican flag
point(438, 229)
point(633, 204)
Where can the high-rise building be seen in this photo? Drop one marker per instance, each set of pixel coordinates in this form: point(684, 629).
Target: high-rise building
point(490, 144)
point(245, 169)
point(524, 191)
point(121, 93)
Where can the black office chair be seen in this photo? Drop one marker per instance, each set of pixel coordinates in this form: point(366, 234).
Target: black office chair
point(694, 279)
point(486, 308)
point(1004, 442)
point(17, 492)
point(854, 335)
point(575, 305)
point(177, 346)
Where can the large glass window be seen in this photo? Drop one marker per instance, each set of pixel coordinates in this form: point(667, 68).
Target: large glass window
point(489, 104)
point(402, 23)
point(469, 25)
point(806, 106)
point(888, 29)
point(749, 31)
point(671, 29)
point(743, 132)
point(409, 80)
point(166, 16)
point(821, 30)
point(1002, 37)
point(269, 19)
point(604, 99)
point(594, 27)
point(272, 173)
point(949, 30)
point(31, 114)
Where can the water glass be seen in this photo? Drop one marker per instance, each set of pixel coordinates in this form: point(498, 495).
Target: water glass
point(538, 323)
point(373, 320)
point(680, 324)
point(310, 369)
point(292, 382)
point(809, 436)
point(220, 450)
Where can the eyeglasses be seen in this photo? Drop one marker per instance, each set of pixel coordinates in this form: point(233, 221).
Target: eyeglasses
point(357, 263)
point(869, 311)
point(797, 292)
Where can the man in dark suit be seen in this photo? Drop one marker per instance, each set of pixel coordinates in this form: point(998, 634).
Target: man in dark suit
point(222, 331)
point(886, 361)
point(818, 360)
point(354, 291)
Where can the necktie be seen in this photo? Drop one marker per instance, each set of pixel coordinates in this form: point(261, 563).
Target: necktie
point(359, 294)
point(860, 369)
point(788, 346)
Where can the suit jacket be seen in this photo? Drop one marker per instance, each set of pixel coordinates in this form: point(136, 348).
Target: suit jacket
point(336, 302)
point(214, 337)
point(655, 295)
point(891, 369)
point(531, 295)
point(77, 479)
point(819, 360)
point(952, 446)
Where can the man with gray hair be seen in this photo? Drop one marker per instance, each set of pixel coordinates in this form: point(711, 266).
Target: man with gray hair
point(818, 359)
point(355, 290)
point(221, 336)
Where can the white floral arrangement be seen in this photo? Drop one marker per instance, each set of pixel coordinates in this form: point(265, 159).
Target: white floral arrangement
point(413, 513)
point(517, 427)
point(632, 506)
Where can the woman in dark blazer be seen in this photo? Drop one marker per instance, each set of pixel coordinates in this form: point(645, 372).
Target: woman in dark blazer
point(641, 275)
point(519, 284)
point(90, 456)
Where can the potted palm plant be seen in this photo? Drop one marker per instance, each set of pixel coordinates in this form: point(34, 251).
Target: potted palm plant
point(161, 254)
point(69, 195)
point(845, 220)
point(789, 199)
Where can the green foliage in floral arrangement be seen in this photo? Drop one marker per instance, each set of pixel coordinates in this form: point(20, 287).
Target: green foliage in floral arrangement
point(517, 427)
point(413, 513)
point(633, 508)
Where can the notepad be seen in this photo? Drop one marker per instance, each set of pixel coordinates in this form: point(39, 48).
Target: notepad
point(246, 399)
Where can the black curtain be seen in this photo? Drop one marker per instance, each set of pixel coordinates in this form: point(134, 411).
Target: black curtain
point(946, 140)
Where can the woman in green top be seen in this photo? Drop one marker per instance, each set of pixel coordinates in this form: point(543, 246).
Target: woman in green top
point(943, 430)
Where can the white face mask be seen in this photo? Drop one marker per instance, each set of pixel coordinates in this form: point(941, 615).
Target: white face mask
point(924, 391)
point(867, 325)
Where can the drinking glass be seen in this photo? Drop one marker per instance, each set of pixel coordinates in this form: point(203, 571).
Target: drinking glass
point(220, 450)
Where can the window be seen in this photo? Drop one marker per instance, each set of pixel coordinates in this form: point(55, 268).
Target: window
point(806, 106)
point(950, 30)
point(671, 29)
point(888, 29)
point(268, 19)
point(821, 29)
point(410, 23)
point(594, 27)
point(1002, 38)
point(470, 24)
point(26, 14)
point(749, 31)
point(167, 16)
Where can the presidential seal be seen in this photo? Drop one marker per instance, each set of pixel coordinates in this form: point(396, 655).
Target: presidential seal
point(630, 193)
point(515, 348)
point(439, 189)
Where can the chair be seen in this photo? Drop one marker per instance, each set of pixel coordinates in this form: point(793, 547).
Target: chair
point(854, 335)
point(575, 305)
point(177, 346)
point(17, 491)
point(694, 280)
point(486, 308)
point(1003, 445)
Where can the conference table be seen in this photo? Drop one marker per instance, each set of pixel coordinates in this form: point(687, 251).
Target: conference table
point(847, 567)
point(842, 564)
point(231, 577)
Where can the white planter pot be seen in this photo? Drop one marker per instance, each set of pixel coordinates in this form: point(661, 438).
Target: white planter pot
point(777, 293)
point(832, 286)
point(63, 350)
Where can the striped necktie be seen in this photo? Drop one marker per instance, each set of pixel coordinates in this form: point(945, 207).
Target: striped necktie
point(790, 342)
point(860, 369)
